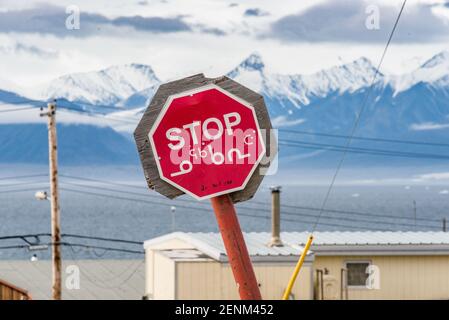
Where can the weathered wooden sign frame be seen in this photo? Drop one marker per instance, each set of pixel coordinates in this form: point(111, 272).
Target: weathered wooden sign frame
point(148, 120)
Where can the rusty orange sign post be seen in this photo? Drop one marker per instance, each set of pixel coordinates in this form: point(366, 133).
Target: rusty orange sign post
point(236, 248)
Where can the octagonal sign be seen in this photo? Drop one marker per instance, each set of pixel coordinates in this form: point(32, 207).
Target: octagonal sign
point(206, 142)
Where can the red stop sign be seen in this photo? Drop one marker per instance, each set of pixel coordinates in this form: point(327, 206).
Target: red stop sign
point(207, 142)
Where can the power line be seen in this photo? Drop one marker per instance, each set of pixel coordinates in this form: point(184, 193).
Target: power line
point(25, 236)
point(88, 246)
point(17, 190)
point(311, 222)
point(23, 183)
point(374, 215)
point(17, 109)
point(380, 152)
point(358, 117)
point(95, 106)
point(69, 235)
point(339, 218)
point(125, 198)
point(24, 177)
point(365, 214)
point(100, 115)
point(287, 213)
point(22, 246)
point(72, 253)
point(259, 216)
point(80, 245)
point(438, 144)
point(103, 181)
point(284, 212)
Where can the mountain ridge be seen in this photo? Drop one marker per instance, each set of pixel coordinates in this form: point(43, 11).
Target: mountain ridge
point(410, 106)
point(107, 86)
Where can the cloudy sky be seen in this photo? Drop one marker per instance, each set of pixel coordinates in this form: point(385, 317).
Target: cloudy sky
point(181, 37)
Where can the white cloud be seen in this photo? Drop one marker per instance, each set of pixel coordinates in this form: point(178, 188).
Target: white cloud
point(433, 176)
point(283, 121)
point(345, 21)
point(21, 48)
point(179, 54)
point(407, 181)
point(429, 126)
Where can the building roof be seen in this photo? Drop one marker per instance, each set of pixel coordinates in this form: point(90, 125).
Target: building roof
point(211, 244)
point(377, 242)
point(99, 279)
point(185, 255)
point(372, 237)
point(327, 242)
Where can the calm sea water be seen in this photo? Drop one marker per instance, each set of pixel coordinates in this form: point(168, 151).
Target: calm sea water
point(150, 215)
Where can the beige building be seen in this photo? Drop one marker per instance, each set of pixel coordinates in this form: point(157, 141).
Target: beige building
point(342, 265)
point(194, 266)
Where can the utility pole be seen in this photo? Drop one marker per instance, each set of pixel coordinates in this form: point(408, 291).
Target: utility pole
point(414, 212)
point(54, 201)
point(275, 217)
point(173, 221)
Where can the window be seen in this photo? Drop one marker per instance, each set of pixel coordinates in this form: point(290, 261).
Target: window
point(357, 273)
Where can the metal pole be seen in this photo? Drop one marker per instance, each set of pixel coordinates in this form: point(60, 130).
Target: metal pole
point(319, 285)
point(54, 200)
point(173, 223)
point(236, 248)
point(297, 268)
point(414, 212)
point(275, 217)
point(343, 284)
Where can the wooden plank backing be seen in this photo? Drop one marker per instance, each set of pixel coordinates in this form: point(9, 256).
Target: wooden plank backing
point(164, 91)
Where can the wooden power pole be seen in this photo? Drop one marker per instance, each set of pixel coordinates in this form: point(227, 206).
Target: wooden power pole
point(54, 200)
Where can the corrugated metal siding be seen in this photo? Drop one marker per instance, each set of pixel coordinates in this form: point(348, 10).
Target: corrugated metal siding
point(164, 278)
point(401, 277)
point(214, 280)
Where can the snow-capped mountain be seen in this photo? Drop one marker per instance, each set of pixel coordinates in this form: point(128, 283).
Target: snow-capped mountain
point(132, 86)
point(302, 89)
point(140, 99)
point(287, 95)
point(434, 71)
point(105, 87)
point(410, 106)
